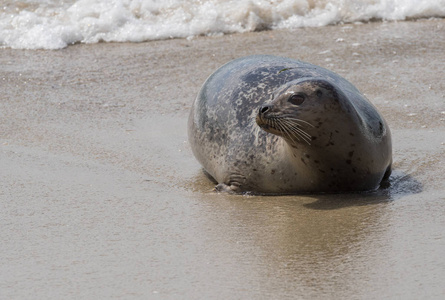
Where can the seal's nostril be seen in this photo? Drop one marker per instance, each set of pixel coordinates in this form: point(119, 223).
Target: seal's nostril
point(264, 109)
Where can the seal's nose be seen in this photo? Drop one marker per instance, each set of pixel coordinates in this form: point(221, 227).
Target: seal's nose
point(264, 109)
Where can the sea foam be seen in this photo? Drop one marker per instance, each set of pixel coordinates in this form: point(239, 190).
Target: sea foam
point(53, 24)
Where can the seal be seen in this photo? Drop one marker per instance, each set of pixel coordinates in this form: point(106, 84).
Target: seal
point(273, 125)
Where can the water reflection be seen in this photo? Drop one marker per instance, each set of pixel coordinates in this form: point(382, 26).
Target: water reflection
point(302, 243)
point(282, 242)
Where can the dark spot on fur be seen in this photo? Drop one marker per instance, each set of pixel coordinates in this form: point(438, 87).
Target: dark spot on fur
point(330, 141)
point(351, 134)
point(272, 172)
point(351, 153)
point(314, 138)
point(354, 170)
point(321, 171)
point(303, 160)
point(254, 170)
point(316, 161)
point(336, 131)
point(307, 155)
point(348, 161)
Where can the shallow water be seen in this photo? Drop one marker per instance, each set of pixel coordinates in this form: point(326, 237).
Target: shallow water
point(102, 197)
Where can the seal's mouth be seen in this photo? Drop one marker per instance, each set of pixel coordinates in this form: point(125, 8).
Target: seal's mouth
point(261, 122)
point(290, 128)
point(263, 118)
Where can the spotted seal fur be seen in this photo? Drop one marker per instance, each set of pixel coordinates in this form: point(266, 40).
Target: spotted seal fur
point(267, 124)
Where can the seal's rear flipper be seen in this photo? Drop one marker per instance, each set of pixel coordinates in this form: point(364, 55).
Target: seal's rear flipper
point(387, 173)
point(385, 183)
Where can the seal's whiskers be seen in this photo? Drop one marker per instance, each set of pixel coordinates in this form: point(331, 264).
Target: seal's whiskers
point(294, 134)
point(282, 128)
point(296, 129)
point(301, 133)
point(299, 120)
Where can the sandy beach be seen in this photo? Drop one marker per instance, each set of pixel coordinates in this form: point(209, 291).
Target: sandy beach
point(102, 198)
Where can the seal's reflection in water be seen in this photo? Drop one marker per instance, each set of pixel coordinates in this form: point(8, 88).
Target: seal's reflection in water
point(304, 244)
point(398, 185)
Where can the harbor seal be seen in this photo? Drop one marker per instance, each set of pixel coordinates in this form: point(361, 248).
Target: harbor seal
point(273, 125)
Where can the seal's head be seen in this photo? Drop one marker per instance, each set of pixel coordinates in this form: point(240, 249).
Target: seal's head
point(302, 110)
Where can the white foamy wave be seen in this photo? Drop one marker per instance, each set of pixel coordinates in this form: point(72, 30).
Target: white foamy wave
point(53, 24)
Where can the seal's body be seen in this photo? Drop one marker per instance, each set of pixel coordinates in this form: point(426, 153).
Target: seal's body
point(267, 124)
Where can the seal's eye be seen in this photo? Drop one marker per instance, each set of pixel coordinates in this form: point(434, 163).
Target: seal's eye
point(296, 99)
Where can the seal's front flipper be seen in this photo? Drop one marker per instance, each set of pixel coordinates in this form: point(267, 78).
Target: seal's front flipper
point(233, 186)
point(231, 189)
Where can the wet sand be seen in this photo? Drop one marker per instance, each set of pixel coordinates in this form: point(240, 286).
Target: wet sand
point(102, 198)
